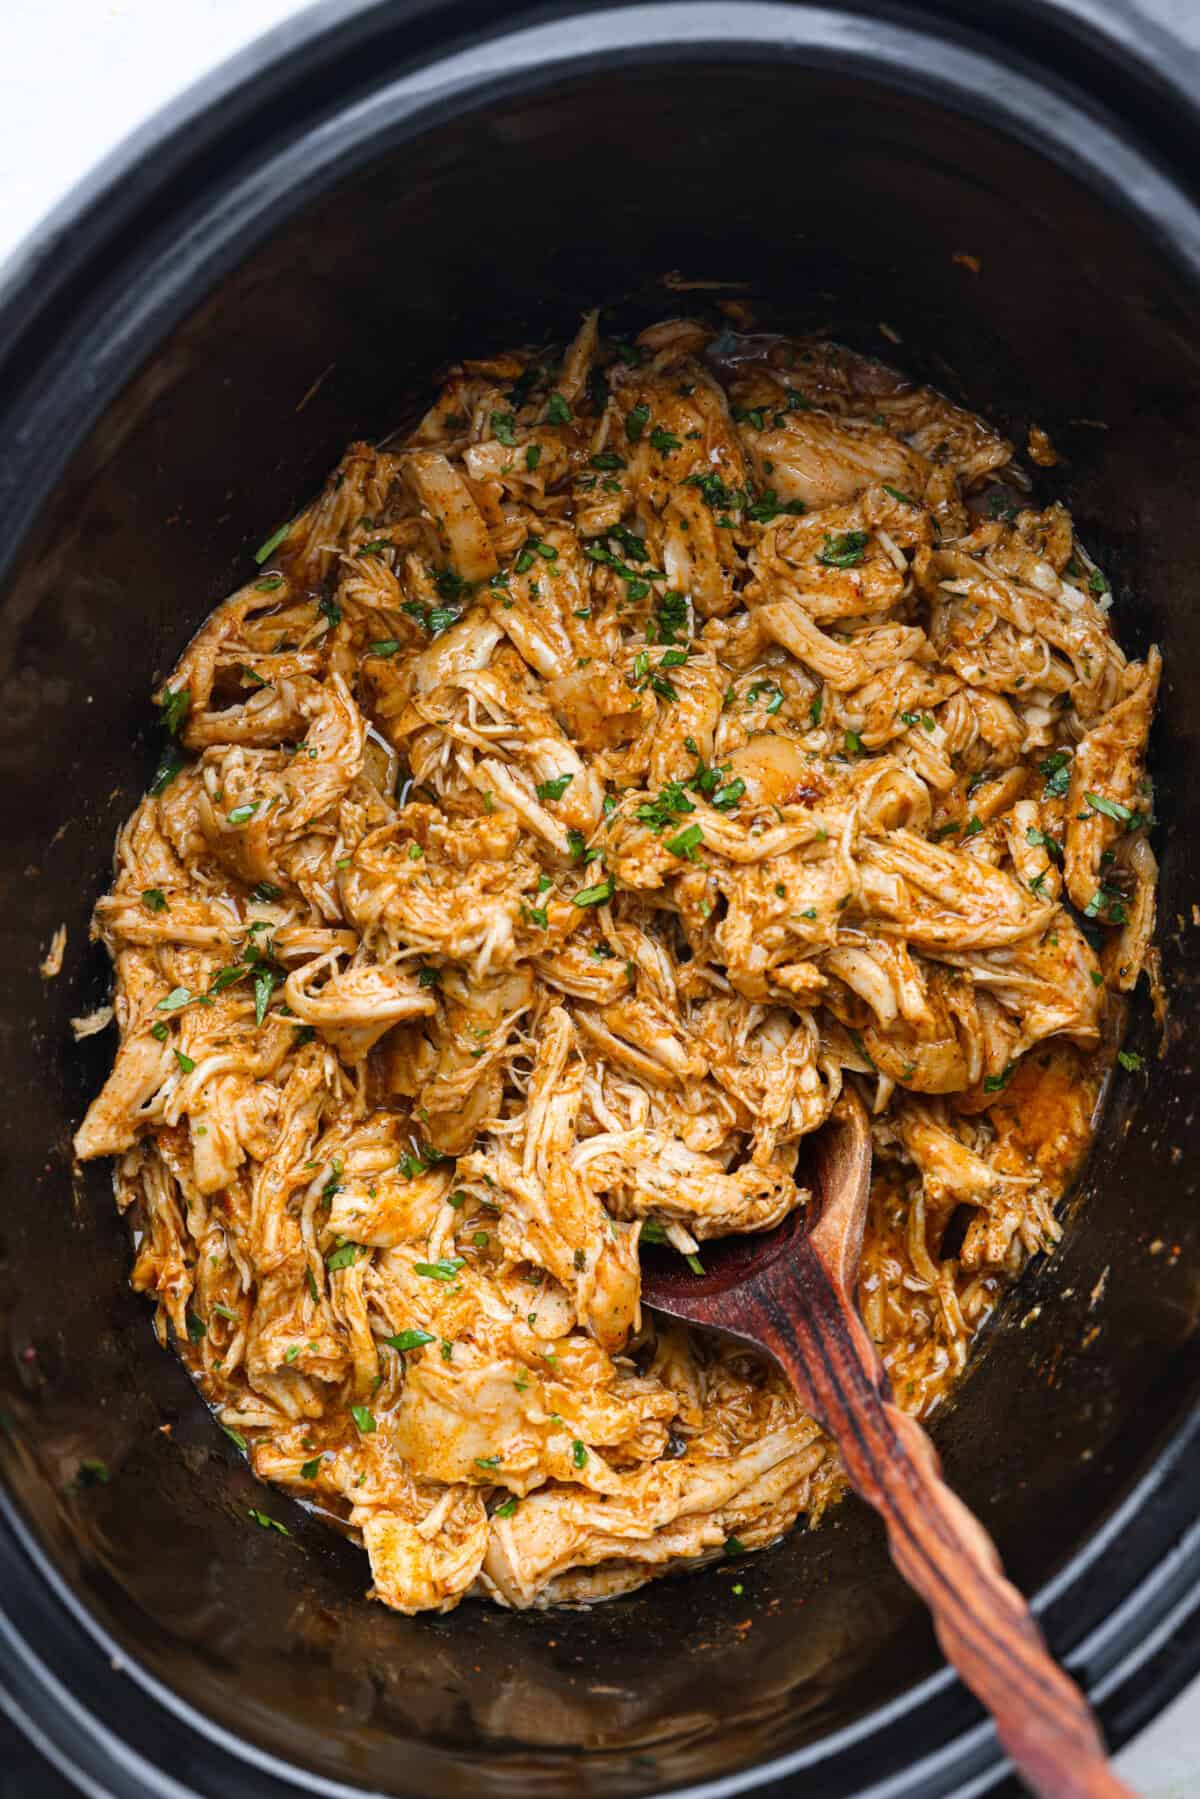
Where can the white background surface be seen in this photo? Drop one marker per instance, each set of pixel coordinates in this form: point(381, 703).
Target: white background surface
point(75, 77)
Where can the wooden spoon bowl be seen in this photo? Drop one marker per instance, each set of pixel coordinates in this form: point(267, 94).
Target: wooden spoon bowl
point(792, 1291)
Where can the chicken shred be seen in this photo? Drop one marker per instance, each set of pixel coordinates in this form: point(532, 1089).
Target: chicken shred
point(584, 790)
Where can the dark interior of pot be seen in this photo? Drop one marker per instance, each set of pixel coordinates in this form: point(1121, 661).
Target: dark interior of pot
point(840, 207)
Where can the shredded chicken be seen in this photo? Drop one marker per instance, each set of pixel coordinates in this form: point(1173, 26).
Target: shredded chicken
point(50, 966)
point(584, 789)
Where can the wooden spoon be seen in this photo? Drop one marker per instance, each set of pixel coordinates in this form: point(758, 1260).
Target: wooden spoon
point(792, 1293)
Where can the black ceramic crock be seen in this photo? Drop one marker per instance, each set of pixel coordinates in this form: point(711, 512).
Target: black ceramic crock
point(281, 263)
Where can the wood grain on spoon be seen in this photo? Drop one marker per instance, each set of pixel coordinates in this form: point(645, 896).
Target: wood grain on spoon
point(791, 1292)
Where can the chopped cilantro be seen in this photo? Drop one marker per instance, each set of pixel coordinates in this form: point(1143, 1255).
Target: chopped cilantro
point(687, 843)
point(670, 803)
point(599, 895)
point(1110, 808)
point(717, 496)
point(271, 543)
point(169, 765)
point(1056, 769)
point(266, 1523)
point(175, 704)
point(554, 788)
point(774, 695)
point(1040, 839)
point(344, 1256)
point(725, 798)
point(1109, 902)
point(842, 549)
point(768, 506)
point(265, 982)
point(444, 1270)
point(671, 619)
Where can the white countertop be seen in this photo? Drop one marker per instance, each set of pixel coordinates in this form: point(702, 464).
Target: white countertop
point(75, 77)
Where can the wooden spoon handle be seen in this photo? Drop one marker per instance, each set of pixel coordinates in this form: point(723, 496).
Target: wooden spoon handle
point(983, 1624)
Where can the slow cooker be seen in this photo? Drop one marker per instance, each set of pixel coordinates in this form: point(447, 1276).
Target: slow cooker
point(1000, 203)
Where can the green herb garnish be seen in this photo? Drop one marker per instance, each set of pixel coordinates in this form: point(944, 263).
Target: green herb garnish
point(169, 765)
point(272, 543)
point(1056, 768)
point(1110, 808)
point(842, 549)
point(686, 844)
point(344, 1256)
point(599, 895)
point(266, 1523)
point(406, 1340)
point(554, 788)
point(175, 704)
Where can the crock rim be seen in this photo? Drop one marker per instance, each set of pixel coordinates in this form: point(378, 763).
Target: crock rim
point(481, 54)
